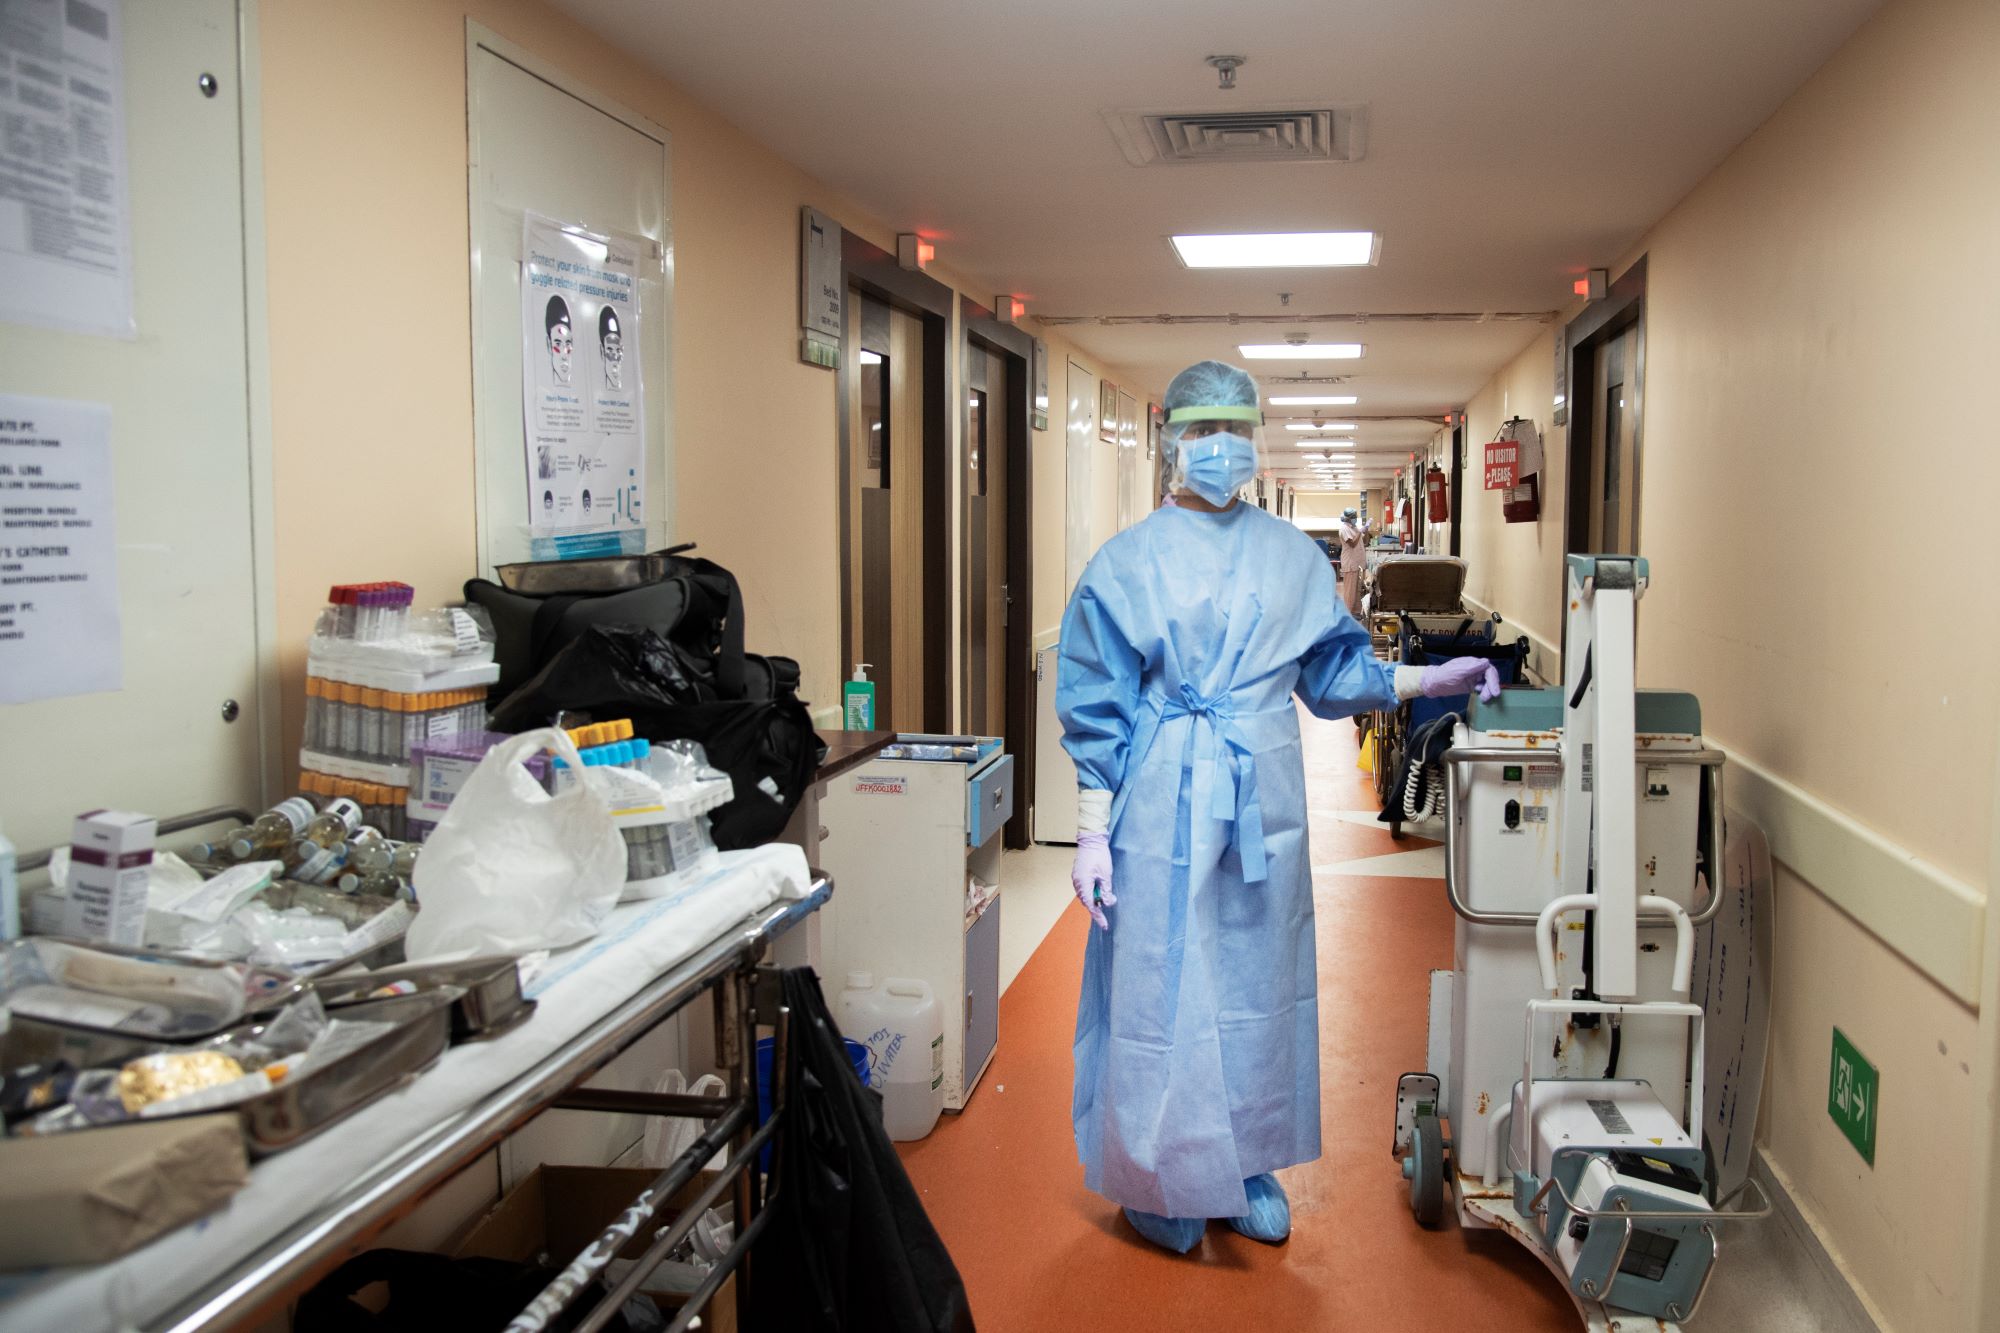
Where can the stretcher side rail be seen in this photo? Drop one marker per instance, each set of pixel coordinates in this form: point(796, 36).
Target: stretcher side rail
point(1714, 833)
point(728, 965)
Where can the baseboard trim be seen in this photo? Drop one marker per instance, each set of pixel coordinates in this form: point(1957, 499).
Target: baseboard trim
point(1833, 1272)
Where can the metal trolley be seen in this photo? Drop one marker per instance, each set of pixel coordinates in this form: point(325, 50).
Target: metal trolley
point(745, 989)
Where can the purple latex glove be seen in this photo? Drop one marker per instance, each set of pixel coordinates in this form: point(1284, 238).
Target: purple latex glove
point(1461, 675)
point(1091, 876)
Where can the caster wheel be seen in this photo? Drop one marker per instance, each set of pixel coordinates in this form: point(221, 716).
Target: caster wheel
point(1427, 1172)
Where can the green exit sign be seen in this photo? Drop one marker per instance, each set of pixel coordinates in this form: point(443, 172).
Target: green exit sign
point(1853, 1091)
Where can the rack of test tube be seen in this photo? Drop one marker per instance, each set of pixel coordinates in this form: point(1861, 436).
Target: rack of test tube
point(383, 679)
point(661, 798)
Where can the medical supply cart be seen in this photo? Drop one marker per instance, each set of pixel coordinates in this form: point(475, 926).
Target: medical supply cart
point(310, 1208)
point(915, 844)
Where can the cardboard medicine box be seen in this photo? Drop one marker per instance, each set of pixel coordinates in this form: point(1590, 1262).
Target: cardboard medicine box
point(110, 863)
point(558, 1210)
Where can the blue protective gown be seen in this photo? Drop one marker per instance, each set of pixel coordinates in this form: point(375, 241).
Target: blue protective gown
point(1197, 1033)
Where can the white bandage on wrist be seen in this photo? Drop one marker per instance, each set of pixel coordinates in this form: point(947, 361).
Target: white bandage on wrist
point(1409, 682)
point(1093, 811)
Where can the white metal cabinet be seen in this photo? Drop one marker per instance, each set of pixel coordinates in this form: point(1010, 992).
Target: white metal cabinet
point(903, 837)
point(186, 485)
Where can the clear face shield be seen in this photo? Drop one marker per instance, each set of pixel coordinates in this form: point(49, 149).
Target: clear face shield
point(1215, 451)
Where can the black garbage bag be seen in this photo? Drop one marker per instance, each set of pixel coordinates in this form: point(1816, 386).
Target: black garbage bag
point(605, 669)
point(428, 1292)
point(848, 1248)
point(767, 745)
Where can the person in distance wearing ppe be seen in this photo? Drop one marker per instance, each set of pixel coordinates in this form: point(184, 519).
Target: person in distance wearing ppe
point(1353, 556)
point(1197, 1031)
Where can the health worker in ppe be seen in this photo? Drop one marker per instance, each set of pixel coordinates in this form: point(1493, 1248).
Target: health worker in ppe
point(1353, 556)
point(1197, 1032)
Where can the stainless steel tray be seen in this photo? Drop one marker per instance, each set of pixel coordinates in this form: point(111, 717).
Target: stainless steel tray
point(492, 1002)
point(301, 1107)
point(297, 1107)
point(33, 1038)
point(611, 573)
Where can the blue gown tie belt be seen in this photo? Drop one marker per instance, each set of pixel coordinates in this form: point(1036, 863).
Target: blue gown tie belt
point(1233, 792)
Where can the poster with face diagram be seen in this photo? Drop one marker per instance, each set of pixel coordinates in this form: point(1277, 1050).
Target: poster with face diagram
point(582, 387)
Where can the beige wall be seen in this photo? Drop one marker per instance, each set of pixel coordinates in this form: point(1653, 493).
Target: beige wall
point(1516, 568)
point(367, 174)
point(1810, 306)
point(1315, 506)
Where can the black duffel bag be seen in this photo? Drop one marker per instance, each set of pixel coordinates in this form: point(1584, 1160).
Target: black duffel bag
point(765, 743)
point(694, 604)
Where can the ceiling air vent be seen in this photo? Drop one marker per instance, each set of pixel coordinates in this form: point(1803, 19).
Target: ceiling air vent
point(1259, 134)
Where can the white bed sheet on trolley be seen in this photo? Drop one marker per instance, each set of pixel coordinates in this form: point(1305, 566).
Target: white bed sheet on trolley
point(575, 989)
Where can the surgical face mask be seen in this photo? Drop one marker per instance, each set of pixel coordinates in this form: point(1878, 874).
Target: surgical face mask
point(1217, 466)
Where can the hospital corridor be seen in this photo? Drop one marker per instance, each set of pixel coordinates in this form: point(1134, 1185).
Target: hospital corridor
point(902, 667)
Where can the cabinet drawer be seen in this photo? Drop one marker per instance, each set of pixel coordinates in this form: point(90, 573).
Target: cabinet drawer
point(989, 797)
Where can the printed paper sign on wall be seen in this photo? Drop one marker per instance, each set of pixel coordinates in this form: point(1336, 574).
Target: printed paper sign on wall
point(582, 382)
point(65, 228)
point(59, 630)
point(1503, 465)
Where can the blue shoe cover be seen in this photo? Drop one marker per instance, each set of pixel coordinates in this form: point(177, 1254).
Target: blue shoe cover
point(1270, 1216)
point(1179, 1234)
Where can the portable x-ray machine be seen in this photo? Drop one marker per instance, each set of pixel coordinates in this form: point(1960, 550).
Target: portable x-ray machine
point(1575, 877)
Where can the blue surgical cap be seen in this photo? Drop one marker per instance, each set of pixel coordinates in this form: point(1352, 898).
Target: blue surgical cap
point(1211, 384)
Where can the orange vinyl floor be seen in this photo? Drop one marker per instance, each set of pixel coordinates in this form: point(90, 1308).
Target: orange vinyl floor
point(1039, 1251)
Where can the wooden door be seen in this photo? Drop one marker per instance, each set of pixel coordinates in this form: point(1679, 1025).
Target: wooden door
point(885, 505)
point(988, 403)
point(1614, 480)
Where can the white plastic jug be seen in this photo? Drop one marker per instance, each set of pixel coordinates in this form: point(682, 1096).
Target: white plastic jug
point(903, 1027)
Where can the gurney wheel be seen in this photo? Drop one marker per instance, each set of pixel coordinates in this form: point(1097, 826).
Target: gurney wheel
point(1427, 1172)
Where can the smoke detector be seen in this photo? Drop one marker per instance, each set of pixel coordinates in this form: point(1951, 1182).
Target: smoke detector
point(1252, 134)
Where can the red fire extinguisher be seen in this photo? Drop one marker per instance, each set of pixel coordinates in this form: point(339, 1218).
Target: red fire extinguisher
point(1439, 496)
point(1406, 515)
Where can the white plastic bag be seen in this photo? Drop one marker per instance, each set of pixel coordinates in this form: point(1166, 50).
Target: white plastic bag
point(667, 1136)
point(510, 868)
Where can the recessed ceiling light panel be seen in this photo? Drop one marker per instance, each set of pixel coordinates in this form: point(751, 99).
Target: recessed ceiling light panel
point(1280, 249)
point(1304, 352)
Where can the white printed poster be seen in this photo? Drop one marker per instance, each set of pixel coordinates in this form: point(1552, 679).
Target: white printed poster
point(582, 391)
point(65, 230)
point(59, 630)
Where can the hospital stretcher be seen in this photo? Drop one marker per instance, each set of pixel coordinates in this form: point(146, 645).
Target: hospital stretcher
point(329, 1198)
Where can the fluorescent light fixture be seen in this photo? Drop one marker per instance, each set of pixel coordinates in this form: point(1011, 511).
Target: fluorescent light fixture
point(871, 358)
point(1318, 400)
point(1303, 352)
point(1317, 425)
point(1280, 249)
